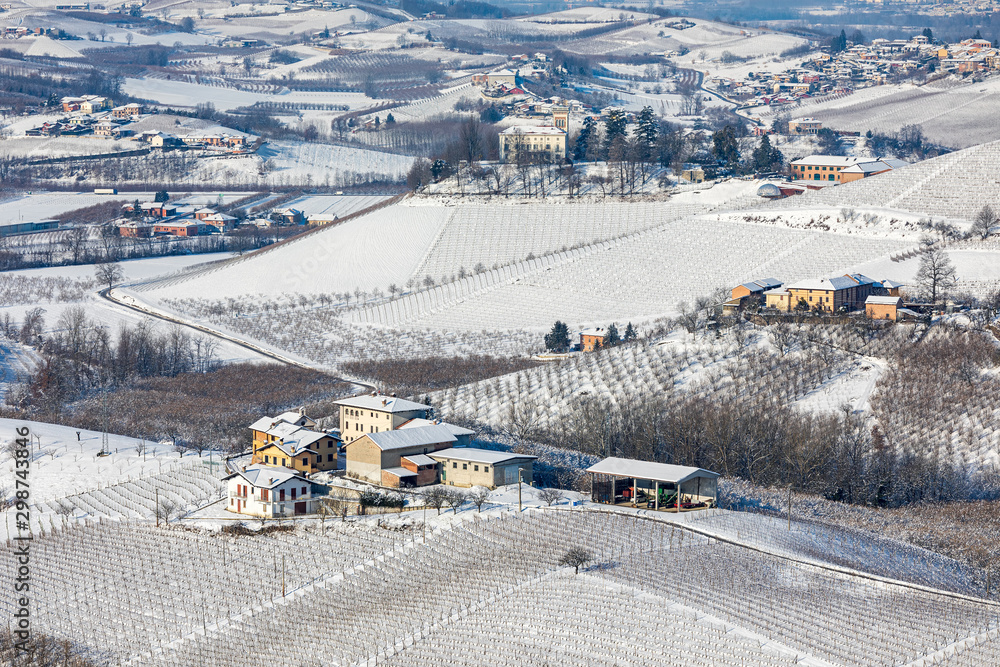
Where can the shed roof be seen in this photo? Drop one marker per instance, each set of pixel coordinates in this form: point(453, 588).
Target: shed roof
point(884, 300)
point(475, 455)
point(400, 471)
point(658, 472)
point(383, 403)
point(420, 460)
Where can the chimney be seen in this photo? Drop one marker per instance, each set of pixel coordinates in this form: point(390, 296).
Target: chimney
point(384, 402)
point(244, 468)
point(302, 410)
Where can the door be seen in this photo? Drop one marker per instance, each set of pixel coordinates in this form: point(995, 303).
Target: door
point(510, 475)
point(300, 508)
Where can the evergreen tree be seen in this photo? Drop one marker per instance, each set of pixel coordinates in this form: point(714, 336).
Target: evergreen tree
point(929, 34)
point(557, 340)
point(583, 139)
point(390, 119)
point(838, 43)
point(978, 35)
point(646, 129)
point(630, 334)
point(161, 196)
point(612, 338)
point(762, 155)
point(724, 147)
point(614, 126)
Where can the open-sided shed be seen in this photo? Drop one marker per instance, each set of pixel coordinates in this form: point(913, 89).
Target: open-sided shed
point(617, 481)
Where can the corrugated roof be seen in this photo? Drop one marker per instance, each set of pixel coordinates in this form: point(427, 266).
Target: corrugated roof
point(474, 455)
point(420, 460)
point(411, 437)
point(400, 472)
point(884, 300)
point(659, 472)
point(383, 403)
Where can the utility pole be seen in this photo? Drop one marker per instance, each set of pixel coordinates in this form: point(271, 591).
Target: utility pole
point(789, 508)
point(425, 522)
point(156, 510)
point(282, 575)
point(519, 490)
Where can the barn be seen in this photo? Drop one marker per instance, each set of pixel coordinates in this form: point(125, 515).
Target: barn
point(657, 486)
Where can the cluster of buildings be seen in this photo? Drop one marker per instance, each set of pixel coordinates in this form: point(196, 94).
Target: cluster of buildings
point(163, 219)
point(818, 171)
point(98, 116)
point(547, 142)
point(858, 65)
point(383, 440)
point(851, 292)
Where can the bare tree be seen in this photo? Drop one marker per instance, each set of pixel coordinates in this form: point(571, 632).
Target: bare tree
point(166, 510)
point(936, 274)
point(575, 558)
point(455, 499)
point(478, 497)
point(436, 497)
point(550, 496)
point(984, 222)
point(109, 272)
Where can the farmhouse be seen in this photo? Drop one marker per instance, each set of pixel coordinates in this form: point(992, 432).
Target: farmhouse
point(377, 457)
point(833, 168)
point(467, 466)
point(135, 229)
point(374, 413)
point(883, 307)
point(179, 228)
point(592, 339)
point(751, 292)
point(220, 221)
point(532, 142)
point(865, 169)
point(658, 486)
point(847, 292)
point(290, 440)
point(127, 110)
point(269, 491)
point(804, 126)
point(504, 77)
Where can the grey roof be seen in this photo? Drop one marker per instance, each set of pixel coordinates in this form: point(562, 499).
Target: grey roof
point(884, 300)
point(383, 403)
point(266, 476)
point(835, 283)
point(400, 472)
point(418, 422)
point(762, 285)
point(890, 284)
point(478, 455)
point(659, 472)
point(411, 437)
point(420, 460)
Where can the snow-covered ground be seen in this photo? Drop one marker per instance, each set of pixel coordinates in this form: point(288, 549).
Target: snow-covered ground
point(46, 205)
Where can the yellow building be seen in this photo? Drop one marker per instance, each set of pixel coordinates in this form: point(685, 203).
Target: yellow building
point(290, 440)
point(821, 167)
point(532, 143)
point(830, 295)
point(804, 126)
point(467, 467)
point(375, 413)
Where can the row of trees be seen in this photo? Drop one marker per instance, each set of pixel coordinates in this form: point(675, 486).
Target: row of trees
point(558, 339)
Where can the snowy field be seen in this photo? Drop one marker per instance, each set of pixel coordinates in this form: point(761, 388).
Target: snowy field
point(47, 205)
point(955, 185)
point(655, 592)
point(950, 116)
point(323, 164)
point(338, 205)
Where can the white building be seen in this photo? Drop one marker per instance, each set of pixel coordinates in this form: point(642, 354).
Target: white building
point(269, 491)
point(533, 141)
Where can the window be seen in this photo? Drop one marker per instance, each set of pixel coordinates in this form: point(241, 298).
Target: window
point(454, 465)
point(465, 466)
point(303, 490)
point(293, 494)
point(475, 468)
point(281, 495)
point(486, 468)
point(282, 461)
point(329, 457)
point(266, 459)
point(263, 495)
point(305, 460)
